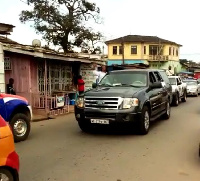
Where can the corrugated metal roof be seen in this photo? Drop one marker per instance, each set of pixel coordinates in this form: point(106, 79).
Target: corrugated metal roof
point(4, 39)
point(141, 38)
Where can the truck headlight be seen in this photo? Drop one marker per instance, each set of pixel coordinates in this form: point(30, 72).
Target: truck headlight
point(130, 102)
point(80, 102)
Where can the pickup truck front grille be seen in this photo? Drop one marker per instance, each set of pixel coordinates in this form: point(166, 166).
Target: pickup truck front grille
point(103, 102)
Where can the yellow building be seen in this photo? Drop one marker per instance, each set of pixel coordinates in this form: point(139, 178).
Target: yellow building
point(152, 50)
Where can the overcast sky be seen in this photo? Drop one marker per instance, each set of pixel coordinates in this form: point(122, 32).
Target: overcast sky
point(175, 20)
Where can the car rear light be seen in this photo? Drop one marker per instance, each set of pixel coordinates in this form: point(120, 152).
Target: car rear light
point(2, 122)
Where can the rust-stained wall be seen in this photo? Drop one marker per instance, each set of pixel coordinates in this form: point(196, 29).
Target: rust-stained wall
point(24, 72)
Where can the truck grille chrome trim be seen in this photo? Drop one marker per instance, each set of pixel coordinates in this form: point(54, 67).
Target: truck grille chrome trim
point(108, 103)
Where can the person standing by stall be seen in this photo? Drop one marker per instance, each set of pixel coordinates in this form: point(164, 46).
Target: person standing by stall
point(99, 74)
point(81, 85)
point(10, 88)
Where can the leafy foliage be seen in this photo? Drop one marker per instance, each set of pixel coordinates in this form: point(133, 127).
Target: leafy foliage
point(63, 22)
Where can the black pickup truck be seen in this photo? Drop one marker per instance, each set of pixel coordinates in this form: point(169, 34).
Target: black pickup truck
point(125, 96)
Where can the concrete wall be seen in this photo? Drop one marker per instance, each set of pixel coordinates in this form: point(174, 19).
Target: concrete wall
point(140, 51)
point(176, 67)
point(24, 73)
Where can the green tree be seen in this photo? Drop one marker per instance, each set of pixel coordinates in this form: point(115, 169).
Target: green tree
point(63, 22)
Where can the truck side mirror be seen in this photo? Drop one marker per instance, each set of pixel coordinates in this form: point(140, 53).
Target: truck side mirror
point(156, 85)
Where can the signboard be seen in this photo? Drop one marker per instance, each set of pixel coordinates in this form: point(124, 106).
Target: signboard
point(60, 101)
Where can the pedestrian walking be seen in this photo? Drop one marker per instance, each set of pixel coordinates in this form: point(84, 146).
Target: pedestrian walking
point(81, 85)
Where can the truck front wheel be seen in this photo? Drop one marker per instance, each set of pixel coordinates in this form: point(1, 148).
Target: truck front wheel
point(144, 121)
point(6, 175)
point(184, 98)
point(84, 126)
point(176, 99)
point(20, 125)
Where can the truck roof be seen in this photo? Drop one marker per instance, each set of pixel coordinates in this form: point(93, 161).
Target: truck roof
point(138, 70)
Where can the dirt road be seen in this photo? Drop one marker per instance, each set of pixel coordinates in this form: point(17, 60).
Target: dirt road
point(58, 150)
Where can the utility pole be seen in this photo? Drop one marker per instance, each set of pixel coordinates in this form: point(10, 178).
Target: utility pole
point(123, 62)
point(159, 52)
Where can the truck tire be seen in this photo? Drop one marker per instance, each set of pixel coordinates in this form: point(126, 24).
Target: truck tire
point(184, 98)
point(6, 175)
point(168, 111)
point(199, 150)
point(21, 127)
point(144, 122)
point(84, 126)
point(176, 99)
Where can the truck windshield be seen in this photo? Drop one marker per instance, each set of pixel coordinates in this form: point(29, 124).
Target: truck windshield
point(135, 79)
point(172, 81)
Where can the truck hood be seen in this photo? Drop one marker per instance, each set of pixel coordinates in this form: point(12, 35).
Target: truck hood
point(113, 91)
point(9, 97)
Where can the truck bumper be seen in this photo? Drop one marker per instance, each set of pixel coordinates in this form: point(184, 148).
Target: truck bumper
point(111, 116)
point(191, 92)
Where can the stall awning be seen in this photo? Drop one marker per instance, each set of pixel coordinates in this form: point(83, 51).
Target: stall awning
point(120, 62)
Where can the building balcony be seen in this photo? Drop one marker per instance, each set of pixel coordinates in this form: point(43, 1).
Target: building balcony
point(158, 58)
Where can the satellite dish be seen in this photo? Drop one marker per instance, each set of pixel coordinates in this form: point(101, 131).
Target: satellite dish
point(36, 43)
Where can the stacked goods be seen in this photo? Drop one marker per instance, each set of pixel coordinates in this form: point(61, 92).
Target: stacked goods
point(87, 75)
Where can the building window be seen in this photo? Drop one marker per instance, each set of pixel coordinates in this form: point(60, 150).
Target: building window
point(7, 63)
point(170, 50)
point(120, 50)
point(153, 49)
point(114, 50)
point(144, 50)
point(173, 51)
point(133, 49)
point(177, 52)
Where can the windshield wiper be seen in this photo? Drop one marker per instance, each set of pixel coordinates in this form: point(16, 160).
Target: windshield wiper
point(106, 84)
point(130, 85)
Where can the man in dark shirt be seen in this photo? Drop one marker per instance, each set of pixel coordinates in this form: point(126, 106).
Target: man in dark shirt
point(10, 89)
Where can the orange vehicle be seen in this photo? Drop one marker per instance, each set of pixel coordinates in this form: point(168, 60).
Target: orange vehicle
point(9, 160)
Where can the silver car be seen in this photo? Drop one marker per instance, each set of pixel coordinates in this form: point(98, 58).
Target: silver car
point(192, 87)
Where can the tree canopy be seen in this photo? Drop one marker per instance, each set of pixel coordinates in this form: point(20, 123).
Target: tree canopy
point(64, 22)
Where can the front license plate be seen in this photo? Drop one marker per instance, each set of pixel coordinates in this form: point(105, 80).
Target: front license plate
point(99, 121)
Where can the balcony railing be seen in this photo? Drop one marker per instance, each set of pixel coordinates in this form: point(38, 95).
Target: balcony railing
point(158, 57)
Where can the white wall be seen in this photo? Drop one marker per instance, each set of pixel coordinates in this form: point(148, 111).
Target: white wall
point(2, 74)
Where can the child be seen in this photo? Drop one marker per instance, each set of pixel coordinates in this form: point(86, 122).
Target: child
point(81, 84)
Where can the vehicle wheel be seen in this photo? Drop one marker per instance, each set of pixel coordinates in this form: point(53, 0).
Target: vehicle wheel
point(168, 111)
point(21, 126)
point(176, 99)
point(6, 175)
point(144, 122)
point(199, 150)
point(84, 126)
point(184, 97)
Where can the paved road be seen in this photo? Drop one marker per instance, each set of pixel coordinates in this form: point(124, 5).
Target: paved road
point(58, 150)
